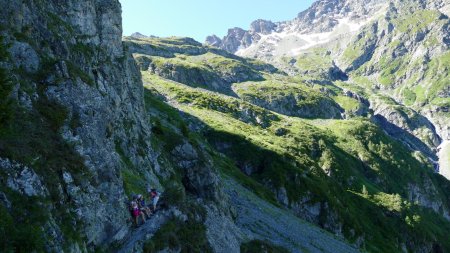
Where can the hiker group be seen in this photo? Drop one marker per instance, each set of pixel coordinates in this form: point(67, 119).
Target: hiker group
point(139, 208)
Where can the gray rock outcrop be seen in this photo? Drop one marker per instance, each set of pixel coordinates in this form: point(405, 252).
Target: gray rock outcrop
point(262, 26)
point(213, 41)
point(238, 38)
point(23, 180)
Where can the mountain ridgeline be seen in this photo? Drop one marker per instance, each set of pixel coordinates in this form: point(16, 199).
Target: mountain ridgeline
point(327, 133)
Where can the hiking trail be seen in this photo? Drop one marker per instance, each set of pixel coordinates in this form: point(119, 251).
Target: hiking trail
point(140, 235)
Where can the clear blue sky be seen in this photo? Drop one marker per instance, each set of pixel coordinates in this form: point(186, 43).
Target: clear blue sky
point(199, 18)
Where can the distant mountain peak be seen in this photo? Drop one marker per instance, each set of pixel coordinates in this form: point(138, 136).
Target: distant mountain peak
point(213, 40)
point(262, 26)
point(322, 16)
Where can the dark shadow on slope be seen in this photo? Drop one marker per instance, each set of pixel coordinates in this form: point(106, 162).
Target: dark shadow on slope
point(336, 74)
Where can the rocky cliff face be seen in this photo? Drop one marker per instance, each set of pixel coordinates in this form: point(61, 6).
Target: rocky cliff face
point(407, 125)
point(325, 15)
point(68, 59)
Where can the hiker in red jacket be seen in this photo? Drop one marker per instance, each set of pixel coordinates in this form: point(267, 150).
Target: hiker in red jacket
point(136, 212)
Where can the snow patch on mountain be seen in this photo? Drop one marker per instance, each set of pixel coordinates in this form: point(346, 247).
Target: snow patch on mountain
point(290, 42)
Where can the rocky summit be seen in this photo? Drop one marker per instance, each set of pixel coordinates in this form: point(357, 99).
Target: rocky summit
point(326, 133)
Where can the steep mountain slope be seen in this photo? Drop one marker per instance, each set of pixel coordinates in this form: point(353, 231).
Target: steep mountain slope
point(394, 54)
point(408, 61)
point(346, 176)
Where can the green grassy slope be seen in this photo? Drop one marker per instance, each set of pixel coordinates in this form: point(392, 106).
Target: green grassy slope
point(351, 167)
